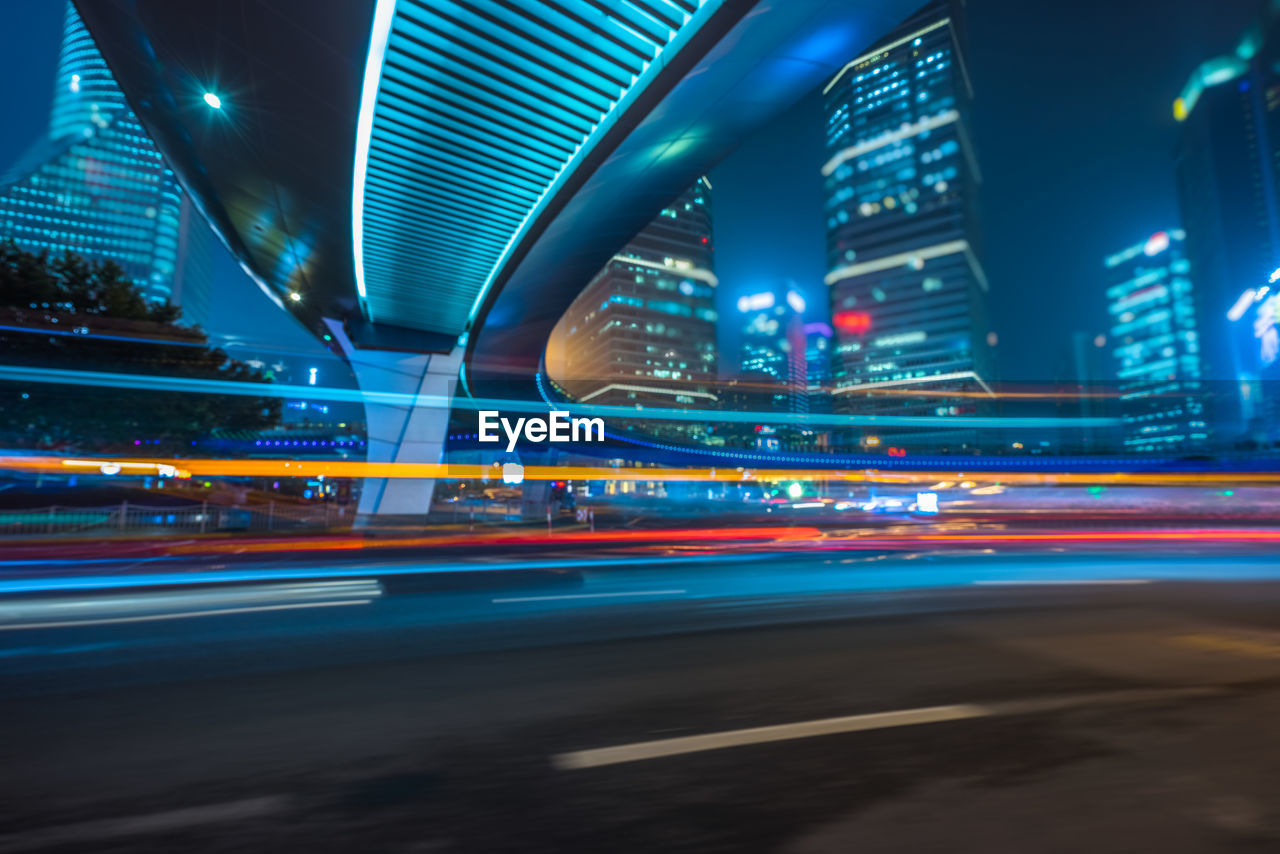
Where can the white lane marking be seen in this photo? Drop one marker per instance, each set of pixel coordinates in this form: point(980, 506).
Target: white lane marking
point(761, 735)
point(60, 624)
point(638, 751)
point(589, 596)
point(1062, 581)
point(161, 822)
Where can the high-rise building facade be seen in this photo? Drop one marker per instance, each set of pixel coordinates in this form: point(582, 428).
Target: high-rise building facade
point(773, 347)
point(907, 287)
point(643, 332)
point(1228, 174)
point(1156, 344)
point(817, 359)
point(97, 185)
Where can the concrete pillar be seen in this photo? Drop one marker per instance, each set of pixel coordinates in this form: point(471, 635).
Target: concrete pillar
point(412, 431)
point(534, 497)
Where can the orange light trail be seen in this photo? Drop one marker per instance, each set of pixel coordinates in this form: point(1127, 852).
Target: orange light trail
point(734, 474)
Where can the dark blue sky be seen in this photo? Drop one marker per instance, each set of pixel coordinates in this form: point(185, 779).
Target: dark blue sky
point(27, 64)
point(767, 215)
point(1072, 124)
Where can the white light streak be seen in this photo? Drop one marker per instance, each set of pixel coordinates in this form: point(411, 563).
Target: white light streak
point(383, 15)
point(589, 596)
point(151, 618)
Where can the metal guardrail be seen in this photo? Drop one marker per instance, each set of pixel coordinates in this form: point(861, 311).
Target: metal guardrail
point(127, 518)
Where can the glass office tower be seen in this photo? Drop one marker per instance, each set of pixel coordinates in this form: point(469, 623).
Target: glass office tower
point(1228, 173)
point(773, 347)
point(907, 288)
point(97, 185)
point(643, 332)
point(1156, 345)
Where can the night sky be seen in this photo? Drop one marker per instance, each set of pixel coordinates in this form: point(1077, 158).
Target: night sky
point(1072, 125)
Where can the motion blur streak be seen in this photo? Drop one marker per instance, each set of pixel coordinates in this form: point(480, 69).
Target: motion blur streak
point(1180, 535)
point(67, 611)
point(654, 536)
point(147, 382)
point(684, 541)
point(64, 583)
point(666, 556)
point(759, 537)
point(724, 474)
point(151, 618)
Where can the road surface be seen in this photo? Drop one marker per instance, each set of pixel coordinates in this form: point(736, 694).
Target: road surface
point(784, 702)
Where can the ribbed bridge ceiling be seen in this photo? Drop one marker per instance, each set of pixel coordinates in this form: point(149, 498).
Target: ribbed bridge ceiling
point(480, 108)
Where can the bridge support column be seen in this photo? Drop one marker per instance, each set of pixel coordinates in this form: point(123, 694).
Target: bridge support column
point(402, 431)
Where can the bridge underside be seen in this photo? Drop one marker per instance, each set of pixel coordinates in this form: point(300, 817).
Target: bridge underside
point(273, 169)
point(768, 60)
point(481, 112)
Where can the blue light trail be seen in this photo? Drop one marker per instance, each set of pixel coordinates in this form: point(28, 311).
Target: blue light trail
point(146, 382)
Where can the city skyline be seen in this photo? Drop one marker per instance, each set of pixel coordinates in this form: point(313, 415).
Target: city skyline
point(640, 425)
point(1075, 153)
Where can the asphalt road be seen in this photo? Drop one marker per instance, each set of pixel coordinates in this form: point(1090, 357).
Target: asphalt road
point(781, 703)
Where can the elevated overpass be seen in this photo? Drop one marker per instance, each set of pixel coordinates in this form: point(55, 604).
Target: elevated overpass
point(428, 184)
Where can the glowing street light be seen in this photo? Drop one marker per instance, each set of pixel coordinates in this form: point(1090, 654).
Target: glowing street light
point(295, 296)
point(213, 100)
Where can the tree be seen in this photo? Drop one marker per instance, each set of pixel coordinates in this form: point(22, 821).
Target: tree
point(71, 313)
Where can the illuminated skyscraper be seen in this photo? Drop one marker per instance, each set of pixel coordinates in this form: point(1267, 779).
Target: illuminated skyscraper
point(1156, 345)
point(97, 185)
point(643, 332)
point(1228, 171)
point(906, 285)
point(773, 347)
point(817, 358)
